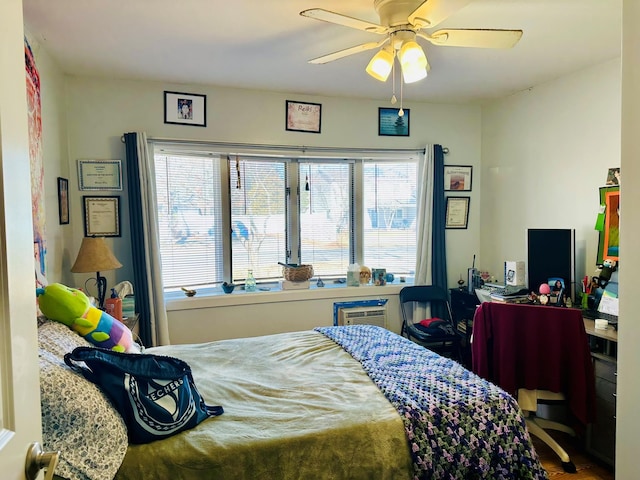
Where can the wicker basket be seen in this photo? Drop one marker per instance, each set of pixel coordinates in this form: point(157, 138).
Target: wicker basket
point(297, 274)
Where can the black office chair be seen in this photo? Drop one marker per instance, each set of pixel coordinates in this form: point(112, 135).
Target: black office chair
point(441, 337)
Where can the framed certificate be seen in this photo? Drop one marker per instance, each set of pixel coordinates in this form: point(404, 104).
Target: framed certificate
point(457, 215)
point(102, 216)
point(99, 174)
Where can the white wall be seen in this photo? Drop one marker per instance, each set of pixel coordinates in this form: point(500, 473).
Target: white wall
point(628, 391)
point(545, 152)
point(100, 111)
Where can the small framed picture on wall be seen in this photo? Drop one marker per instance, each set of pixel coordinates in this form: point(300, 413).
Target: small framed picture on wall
point(457, 178)
point(63, 200)
point(102, 216)
point(185, 109)
point(457, 214)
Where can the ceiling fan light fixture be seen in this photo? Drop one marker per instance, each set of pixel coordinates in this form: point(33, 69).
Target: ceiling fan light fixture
point(380, 65)
point(413, 62)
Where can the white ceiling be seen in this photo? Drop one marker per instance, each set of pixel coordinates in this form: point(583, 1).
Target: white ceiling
point(265, 44)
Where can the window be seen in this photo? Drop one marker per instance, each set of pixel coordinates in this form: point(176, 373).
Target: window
point(325, 216)
point(258, 217)
point(221, 215)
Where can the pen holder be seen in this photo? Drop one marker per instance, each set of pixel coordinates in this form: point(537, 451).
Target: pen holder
point(585, 301)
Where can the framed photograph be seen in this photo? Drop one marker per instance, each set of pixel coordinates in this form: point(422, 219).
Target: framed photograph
point(303, 117)
point(390, 123)
point(457, 178)
point(457, 214)
point(102, 216)
point(99, 175)
point(185, 109)
point(63, 200)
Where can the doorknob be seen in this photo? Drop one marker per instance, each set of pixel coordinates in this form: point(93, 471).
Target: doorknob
point(37, 459)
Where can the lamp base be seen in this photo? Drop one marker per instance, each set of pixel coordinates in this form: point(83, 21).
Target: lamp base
point(101, 284)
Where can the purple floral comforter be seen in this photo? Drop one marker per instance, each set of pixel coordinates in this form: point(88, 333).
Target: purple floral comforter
point(459, 426)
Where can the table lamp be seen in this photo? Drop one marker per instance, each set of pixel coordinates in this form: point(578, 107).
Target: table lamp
point(96, 256)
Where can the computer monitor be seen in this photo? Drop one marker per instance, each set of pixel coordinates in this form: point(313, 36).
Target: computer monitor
point(551, 253)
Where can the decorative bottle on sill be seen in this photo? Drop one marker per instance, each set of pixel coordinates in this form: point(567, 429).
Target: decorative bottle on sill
point(250, 282)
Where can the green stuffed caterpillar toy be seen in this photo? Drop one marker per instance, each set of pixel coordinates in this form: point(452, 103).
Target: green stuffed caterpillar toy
point(73, 308)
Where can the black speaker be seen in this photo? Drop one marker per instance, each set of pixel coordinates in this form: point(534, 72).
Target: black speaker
point(551, 253)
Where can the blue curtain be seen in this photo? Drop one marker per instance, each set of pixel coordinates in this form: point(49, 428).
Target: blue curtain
point(439, 248)
point(140, 277)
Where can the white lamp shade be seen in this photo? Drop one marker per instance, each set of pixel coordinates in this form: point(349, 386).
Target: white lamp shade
point(413, 62)
point(380, 65)
point(413, 73)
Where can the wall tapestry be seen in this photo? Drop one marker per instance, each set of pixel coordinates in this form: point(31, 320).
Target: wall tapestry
point(37, 168)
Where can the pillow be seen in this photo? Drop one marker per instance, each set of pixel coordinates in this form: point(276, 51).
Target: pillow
point(77, 419)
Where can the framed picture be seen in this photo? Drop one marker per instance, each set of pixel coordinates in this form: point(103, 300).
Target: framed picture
point(303, 117)
point(102, 216)
point(457, 178)
point(63, 200)
point(390, 123)
point(99, 175)
point(457, 214)
point(185, 109)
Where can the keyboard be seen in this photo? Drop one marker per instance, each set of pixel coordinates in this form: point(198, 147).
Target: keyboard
point(594, 314)
point(509, 290)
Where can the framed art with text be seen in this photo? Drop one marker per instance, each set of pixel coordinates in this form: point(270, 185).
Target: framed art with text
point(457, 213)
point(391, 123)
point(457, 178)
point(303, 116)
point(99, 175)
point(102, 216)
point(185, 109)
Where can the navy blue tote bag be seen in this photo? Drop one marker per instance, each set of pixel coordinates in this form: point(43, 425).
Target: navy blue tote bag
point(155, 394)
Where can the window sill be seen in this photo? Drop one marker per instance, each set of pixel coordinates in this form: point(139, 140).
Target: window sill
point(215, 297)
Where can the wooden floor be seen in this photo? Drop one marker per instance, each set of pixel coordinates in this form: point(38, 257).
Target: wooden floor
point(588, 468)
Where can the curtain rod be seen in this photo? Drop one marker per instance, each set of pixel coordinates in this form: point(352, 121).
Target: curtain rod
point(302, 148)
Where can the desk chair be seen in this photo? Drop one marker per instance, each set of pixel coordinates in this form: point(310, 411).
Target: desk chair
point(421, 302)
point(533, 352)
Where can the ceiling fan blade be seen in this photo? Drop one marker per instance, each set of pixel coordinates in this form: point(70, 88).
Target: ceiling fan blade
point(431, 12)
point(339, 19)
point(474, 38)
point(348, 51)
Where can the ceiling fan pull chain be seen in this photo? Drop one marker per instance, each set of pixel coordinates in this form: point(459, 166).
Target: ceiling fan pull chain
point(393, 79)
point(401, 111)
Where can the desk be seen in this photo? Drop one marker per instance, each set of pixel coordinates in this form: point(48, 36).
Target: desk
point(536, 347)
point(601, 434)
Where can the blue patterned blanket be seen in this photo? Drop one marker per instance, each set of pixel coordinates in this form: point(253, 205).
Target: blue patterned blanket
point(458, 425)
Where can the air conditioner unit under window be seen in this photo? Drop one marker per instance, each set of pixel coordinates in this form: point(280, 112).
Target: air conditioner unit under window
point(363, 316)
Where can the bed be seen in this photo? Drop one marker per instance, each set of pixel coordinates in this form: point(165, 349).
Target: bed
point(356, 402)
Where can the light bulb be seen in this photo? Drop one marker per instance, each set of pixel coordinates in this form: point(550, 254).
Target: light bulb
point(380, 65)
point(413, 62)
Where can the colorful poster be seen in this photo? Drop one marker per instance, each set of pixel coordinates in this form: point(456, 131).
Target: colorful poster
point(37, 168)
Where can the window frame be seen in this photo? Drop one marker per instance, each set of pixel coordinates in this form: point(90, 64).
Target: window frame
point(292, 157)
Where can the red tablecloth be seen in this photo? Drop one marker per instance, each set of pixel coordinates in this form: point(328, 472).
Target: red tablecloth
point(535, 347)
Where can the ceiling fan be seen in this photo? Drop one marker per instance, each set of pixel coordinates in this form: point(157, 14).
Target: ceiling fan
point(401, 21)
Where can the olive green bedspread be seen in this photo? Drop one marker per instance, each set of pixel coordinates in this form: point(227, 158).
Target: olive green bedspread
point(296, 406)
